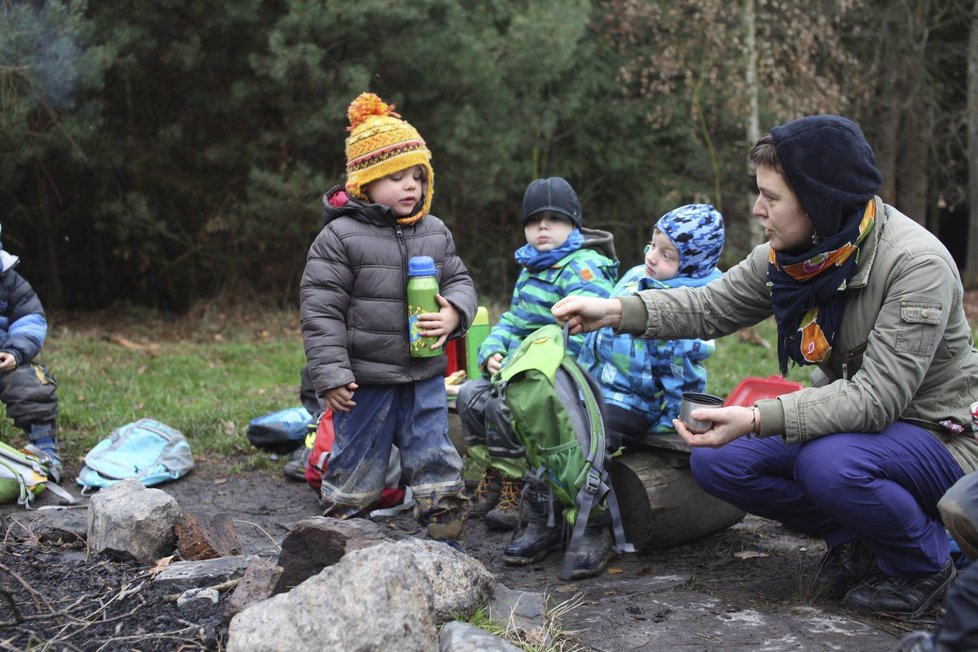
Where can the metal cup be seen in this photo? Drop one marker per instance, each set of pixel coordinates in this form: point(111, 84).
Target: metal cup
point(692, 400)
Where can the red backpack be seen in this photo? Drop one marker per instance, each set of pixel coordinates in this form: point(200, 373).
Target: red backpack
point(322, 446)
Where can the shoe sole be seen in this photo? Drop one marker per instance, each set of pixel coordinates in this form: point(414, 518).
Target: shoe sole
point(524, 561)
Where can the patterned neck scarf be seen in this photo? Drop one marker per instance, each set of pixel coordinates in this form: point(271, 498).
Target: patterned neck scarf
point(536, 260)
point(808, 291)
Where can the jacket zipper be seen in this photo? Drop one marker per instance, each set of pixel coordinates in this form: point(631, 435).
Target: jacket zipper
point(402, 245)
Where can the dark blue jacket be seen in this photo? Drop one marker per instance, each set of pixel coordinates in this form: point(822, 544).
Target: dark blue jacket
point(23, 326)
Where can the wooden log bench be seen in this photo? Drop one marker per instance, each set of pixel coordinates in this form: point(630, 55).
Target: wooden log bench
point(661, 504)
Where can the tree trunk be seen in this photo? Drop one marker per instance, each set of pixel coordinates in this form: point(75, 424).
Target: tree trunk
point(754, 119)
point(915, 120)
point(970, 276)
point(888, 125)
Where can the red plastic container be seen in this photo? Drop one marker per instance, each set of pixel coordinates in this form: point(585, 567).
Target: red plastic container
point(753, 388)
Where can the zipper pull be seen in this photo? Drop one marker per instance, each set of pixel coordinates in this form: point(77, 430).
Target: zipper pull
point(845, 371)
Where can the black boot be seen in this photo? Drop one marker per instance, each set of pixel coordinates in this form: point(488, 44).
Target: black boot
point(899, 597)
point(594, 552)
point(538, 539)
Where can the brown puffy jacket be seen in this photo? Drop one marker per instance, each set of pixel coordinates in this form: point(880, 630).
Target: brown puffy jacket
point(353, 295)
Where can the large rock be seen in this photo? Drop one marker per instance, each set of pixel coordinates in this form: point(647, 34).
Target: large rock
point(373, 600)
point(317, 542)
point(461, 584)
point(129, 520)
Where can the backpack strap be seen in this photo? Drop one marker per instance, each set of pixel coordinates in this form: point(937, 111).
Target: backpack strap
point(595, 487)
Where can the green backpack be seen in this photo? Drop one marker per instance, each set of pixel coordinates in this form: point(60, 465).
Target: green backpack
point(554, 408)
point(24, 474)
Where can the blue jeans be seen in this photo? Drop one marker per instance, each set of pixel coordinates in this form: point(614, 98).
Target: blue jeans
point(414, 416)
point(882, 488)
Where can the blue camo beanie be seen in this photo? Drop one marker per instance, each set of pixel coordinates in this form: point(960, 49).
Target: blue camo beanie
point(831, 167)
point(696, 230)
point(553, 195)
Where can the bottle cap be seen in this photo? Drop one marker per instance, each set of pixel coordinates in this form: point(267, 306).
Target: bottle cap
point(421, 266)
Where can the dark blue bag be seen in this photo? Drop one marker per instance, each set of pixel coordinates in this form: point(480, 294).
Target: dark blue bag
point(282, 431)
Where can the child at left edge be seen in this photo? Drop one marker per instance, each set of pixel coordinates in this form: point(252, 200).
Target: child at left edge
point(353, 307)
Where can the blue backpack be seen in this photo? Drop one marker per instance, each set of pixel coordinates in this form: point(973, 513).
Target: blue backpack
point(150, 451)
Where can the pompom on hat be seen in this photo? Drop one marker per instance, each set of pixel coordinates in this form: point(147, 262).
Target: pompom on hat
point(382, 143)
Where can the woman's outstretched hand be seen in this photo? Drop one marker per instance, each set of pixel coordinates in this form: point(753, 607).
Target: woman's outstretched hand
point(586, 314)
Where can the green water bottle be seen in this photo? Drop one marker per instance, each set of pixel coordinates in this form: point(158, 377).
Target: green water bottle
point(422, 287)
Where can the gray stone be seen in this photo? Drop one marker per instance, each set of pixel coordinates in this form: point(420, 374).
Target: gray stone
point(523, 611)
point(54, 524)
point(375, 599)
point(256, 584)
point(460, 584)
point(457, 636)
point(191, 595)
point(129, 520)
point(183, 575)
point(317, 542)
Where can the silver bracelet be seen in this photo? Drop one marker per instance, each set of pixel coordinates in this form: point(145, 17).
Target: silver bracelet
point(753, 434)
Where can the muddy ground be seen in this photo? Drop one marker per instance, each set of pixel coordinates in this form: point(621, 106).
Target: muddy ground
point(739, 589)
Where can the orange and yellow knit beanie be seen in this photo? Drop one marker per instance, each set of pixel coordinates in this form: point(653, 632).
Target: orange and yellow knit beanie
point(382, 143)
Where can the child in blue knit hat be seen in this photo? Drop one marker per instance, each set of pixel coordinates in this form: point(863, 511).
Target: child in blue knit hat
point(26, 388)
point(644, 379)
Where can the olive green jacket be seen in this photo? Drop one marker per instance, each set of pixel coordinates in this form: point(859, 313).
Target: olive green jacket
point(903, 352)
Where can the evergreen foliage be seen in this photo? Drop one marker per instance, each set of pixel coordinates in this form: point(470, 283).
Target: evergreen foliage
point(161, 154)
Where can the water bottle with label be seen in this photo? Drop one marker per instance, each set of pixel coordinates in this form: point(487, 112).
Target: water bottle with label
point(422, 287)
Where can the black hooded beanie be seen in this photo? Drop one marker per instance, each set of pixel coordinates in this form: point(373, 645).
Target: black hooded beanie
point(831, 167)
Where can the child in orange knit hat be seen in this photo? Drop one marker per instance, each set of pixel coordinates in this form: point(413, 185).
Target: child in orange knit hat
point(355, 324)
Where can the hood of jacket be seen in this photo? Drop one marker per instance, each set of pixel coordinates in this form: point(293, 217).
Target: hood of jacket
point(601, 241)
point(338, 203)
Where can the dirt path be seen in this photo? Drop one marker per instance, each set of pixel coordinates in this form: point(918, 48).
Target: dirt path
point(740, 589)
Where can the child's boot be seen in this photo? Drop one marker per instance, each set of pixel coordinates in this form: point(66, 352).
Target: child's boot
point(594, 553)
point(44, 436)
point(543, 529)
point(507, 514)
point(445, 518)
point(487, 494)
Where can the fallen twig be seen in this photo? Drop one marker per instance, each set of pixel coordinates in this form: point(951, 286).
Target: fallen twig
point(37, 597)
point(263, 531)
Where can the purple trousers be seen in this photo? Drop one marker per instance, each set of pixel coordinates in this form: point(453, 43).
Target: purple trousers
point(882, 488)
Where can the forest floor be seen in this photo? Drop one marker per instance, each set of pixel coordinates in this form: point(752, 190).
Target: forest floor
point(743, 588)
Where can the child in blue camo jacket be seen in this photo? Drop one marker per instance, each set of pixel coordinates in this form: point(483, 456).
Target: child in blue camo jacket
point(644, 379)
